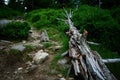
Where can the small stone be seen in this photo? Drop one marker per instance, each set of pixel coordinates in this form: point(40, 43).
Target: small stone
point(70, 78)
point(19, 47)
point(40, 56)
point(54, 71)
point(30, 68)
point(57, 47)
point(33, 67)
point(62, 79)
point(28, 63)
point(59, 75)
point(23, 41)
point(20, 68)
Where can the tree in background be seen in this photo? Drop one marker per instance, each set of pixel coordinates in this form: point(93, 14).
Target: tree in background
point(65, 3)
point(35, 4)
point(16, 4)
point(43, 3)
point(90, 2)
point(1, 2)
point(29, 4)
point(108, 4)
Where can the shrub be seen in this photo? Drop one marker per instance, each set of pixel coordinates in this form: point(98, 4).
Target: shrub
point(115, 12)
point(35, 18)
point(99, 23)
point(6, 12)
point(15, 30)
point(45, 18)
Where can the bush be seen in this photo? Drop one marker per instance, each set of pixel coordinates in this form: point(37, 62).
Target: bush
point(99, 23)
point(115, 12)
point(15, 30)
point(35, 18)
point(6, 12)
point(46, 18)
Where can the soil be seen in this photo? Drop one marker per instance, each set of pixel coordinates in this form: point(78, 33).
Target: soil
point(10, 65)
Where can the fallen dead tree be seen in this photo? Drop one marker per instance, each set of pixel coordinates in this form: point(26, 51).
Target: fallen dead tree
point(87, 64)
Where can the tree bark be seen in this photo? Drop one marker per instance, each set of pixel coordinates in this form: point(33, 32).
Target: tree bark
point(44, 36)
point(86, 62)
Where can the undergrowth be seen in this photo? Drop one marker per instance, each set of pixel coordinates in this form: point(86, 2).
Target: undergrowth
point(8, 13)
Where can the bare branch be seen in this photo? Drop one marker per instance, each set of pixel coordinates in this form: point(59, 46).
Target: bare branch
point(89, 42)
point(111, 60)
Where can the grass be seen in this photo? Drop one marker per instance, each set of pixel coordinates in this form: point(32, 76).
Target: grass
point(46, 44)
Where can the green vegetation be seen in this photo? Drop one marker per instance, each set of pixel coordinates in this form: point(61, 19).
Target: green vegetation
point(15, 30)
point(8, 13)
point(46, 44)
point(46, 18)
point(115, 12)
point(101, 26)
point(104, 52)
point(29, 48)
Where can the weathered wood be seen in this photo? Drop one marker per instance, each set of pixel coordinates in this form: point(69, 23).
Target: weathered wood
point(86, 63)
point(111, 60)
point(89, 42)
point(44, 36)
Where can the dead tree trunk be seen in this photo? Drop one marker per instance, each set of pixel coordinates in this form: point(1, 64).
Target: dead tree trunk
point(86, 62)
point(44, 36)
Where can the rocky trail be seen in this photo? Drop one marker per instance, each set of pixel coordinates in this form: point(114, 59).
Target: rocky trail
point(28, 59)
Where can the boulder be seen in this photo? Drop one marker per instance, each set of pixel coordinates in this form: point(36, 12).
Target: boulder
point(40, 56)
point(19, 47)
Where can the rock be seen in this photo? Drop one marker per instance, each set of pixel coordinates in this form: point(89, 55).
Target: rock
point(5, 43)
point(33, 35)
point(4, 22)
point(40, 56)
point(30, 68)
point(62, 79)
point(20, 70)
point(23, 41)
point(28, 63)
point(54, 71)
point(57, 47)
point(70, 78)
point(19, 47)
point(31, 55)
point(60, 75)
